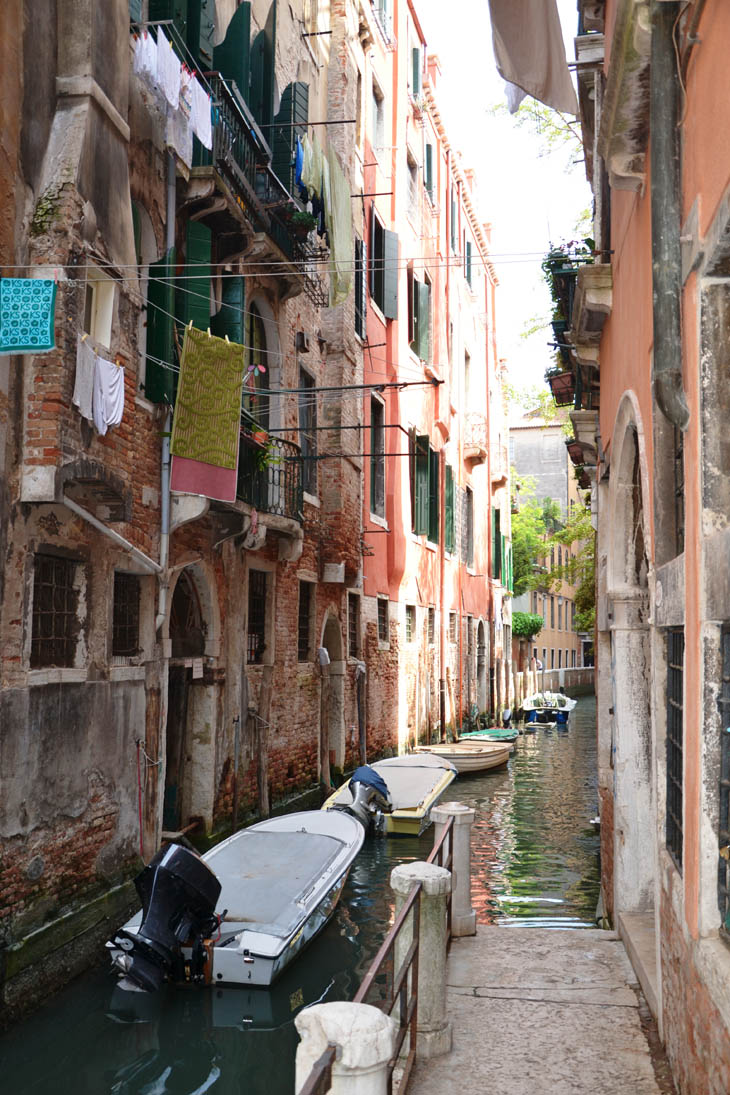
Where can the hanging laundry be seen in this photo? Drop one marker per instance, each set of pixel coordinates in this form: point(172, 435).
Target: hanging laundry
point(168, 70)
point(145, 58)
point(185, 100)
point(298, 162)
point(338, 215)
point(200, 114)
point(84, 385)
point(311, 173)
point(207, 419)
point(27, 315)
point(108, 397)
point(179, 135)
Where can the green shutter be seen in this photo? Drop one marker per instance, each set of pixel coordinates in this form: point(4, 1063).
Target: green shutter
point(390, 274)
point(420, 524)
point(429, 170)
point(414, 301)
point(433, 496)
point(135, 11)
point(496, 544)
point(177, 11)
point(159, 381)
point(502, 567)
point(229, 320)
point(232, 57)
point(291, 123)
point(424, 320)
point(449, 530)
point(468, 261)
point(416, 82)
point(193, 289)
point(261, 93)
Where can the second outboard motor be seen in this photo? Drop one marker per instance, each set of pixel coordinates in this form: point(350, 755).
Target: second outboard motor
point(507, 718)
point(370, 797)
point(179, 893)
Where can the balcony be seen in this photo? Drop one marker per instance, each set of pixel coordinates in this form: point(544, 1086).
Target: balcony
point(234, 189)
point(270, 475)
point(475, 438)
point(499, 468)
point(591, 308)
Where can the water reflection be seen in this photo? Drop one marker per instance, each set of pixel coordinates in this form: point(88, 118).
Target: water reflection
point(534, 862)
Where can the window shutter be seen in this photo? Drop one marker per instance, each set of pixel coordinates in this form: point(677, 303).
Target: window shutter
point(371, 280)
point(449, 515)
point(416, 61)
point(261, 95)
point(502, 568)
point(420, 525)
point(135, 11)
point(390, 274)
point(159, 383)
point(424, 320)
point(206, 33)
point(433, 496)
point(414, 317)
point(292, 123)
point(194, 289)
point(229, 321)
point(361, 295)
point(453, 220)
point(232, 57)
point(429, 170)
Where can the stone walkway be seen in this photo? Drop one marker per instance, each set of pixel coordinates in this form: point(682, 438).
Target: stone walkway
point(543, 1012)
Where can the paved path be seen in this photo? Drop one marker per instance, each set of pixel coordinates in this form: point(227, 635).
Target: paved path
point(543, 1012)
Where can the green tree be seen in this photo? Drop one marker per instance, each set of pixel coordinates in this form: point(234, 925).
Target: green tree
point(525, 625)
point(578, 566)
point(528, 532)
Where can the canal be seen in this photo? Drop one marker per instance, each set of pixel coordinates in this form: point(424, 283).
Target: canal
point(534, 862)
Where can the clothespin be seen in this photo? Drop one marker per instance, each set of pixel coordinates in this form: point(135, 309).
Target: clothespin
point(84, 336)
point(190, 325)
point(228, 340)
point(55, 276)
point(209, 332)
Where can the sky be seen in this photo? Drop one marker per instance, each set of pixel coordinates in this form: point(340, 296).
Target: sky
point(530, 199)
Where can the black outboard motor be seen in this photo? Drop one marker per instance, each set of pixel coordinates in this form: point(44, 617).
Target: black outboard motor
point(179, 893)
point(370, 797)
point(507, 718)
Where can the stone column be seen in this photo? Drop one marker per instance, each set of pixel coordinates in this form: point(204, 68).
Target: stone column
point(463, 916)
point(364, 1037)
point(434, 1030)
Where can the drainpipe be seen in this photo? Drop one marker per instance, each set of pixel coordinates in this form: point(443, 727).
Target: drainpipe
point(665, 216)
point(165, 470)
point(149, 564)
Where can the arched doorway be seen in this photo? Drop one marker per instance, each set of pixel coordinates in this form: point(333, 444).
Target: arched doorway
point(334, 684)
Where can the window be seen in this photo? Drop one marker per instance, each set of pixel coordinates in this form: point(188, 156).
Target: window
point(470, 635)
point(99, 306)
point(452, 627)
point(428, 170)
point(467, 378)
point(256, 634)
point(552, 658)
point(468, 542)
point(415, 73)
point(383, 15)
point(544, 656)
point(449, 521)
point(413, 189)
point(425, 489)
point(453, 232)
point(377, 457)
point(308, 431)
point(560, 659)
point(467, 260)
point(419, 316)
point(723, 874)
point(567, 656)
point(560, 613)
point(304, 625)
point(534, 604)
point(383, 628)
point(675, 744)
point(378, 119)
point(353, 625)
point(254, 404)
point(496, 543)
point(361, 296)
point(55, 622)
point(383, 267)
point(125, 615)
point(552, 612)
point(410, 623)
point(431, 625)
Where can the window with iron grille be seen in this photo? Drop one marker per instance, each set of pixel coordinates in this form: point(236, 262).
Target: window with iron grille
point(308, 431)
point(675, 743)
point(432, 625)
point(383, 633)
point(361, 295)
point(410, 623)
point(125, 617)
point(723, 862)
point(55, 601)
point(377, 457)
point(452, 627)
point(256, 634)
point(353, 625)
point(306, 600)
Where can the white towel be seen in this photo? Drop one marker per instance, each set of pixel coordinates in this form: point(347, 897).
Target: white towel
point(200, 114)
point(168, 70)
point(108, 404)
point(145, 58)
point(84, 385)
point(179, 135)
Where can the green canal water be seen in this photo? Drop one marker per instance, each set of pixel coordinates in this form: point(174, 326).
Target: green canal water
point(534, 862)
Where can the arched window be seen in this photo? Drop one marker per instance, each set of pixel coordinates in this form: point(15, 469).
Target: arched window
point(187, 633)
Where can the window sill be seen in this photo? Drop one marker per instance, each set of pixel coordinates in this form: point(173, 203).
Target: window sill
point(311, 499)
point(127, 673)
point(431, 546)
point(375, 308)
point(56, 675)
point(381, 522)
point(383, 644)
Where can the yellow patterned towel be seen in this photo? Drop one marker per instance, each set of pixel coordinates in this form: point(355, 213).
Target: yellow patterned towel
point(207, 420)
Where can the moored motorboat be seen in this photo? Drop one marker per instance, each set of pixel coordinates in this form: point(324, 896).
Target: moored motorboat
point(492, 733)
point(394, 796)
point(548, 709)
point(471, 756)
point(241, 913)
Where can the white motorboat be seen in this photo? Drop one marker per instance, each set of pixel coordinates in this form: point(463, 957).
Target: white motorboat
point(548, 708)
point(241, 913)
point(394, 796)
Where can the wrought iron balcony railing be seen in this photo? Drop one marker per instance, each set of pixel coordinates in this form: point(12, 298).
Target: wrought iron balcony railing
point(270, 475)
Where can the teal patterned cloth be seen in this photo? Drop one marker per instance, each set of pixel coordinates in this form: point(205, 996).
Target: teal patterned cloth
point(27, 312)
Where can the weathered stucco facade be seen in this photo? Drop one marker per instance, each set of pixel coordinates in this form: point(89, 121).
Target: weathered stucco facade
point(169, 662)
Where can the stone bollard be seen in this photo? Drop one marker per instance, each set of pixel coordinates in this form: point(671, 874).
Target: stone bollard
point(434, 1029)
point(463, 916)
point(364, 1037)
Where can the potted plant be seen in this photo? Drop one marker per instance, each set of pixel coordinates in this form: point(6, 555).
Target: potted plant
point(302, 223)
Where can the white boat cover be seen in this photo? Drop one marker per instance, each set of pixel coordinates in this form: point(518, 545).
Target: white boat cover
point(266, 875)
point(410, 779)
